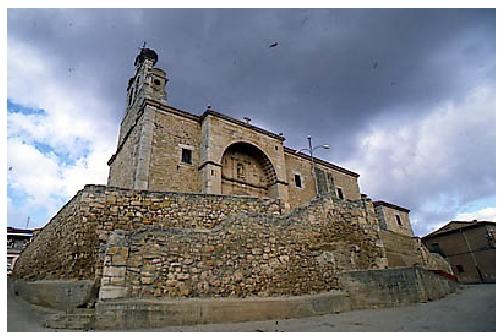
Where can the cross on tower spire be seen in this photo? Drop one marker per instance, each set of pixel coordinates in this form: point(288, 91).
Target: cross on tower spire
point(143, 46)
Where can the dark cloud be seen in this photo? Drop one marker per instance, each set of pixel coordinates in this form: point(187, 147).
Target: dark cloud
point(334, 73)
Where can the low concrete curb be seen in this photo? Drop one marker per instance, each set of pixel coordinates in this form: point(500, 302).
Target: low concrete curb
point(133, 314)
point(57, 294)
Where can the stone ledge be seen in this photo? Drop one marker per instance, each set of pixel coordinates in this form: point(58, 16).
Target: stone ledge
point(150, 313)
point(57, 294)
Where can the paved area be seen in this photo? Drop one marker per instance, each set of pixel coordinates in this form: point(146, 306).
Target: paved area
point(471, 309)
point(22, 316)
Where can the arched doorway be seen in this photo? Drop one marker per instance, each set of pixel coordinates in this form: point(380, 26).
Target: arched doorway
point(246, 170)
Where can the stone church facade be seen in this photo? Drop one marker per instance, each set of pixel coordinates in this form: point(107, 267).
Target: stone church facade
point(212, 207)
point(162, 148)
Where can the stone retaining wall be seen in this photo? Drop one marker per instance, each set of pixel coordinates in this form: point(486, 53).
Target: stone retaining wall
point(406, 251)
point(65, 249)
point(203, 245)
point(302, 253)
point(72, 245)
point(395, 287)
point(363, 289)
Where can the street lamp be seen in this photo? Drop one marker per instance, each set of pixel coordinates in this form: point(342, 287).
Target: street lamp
point(311, 149)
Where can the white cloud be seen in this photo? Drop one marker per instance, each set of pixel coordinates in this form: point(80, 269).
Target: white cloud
point(80, 138)
point(486, 214)
point(432, 165)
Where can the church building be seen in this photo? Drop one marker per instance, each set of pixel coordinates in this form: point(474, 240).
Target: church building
point(162, 148)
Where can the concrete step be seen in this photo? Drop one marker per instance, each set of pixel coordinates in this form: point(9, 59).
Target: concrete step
point(79, 319)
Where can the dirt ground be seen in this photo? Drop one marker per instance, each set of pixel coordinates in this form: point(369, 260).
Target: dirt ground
point(471, 309)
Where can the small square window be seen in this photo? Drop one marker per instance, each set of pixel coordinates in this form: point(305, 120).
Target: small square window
point(186, 156)
point(340, 194)
point(298, 181)
point(398, 220)
point(460, 268)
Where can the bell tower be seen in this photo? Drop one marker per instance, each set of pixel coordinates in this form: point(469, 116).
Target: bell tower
point(147, 82)
point(129, 166)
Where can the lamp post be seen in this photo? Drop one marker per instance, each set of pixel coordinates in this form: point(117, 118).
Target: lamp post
point(311, 150)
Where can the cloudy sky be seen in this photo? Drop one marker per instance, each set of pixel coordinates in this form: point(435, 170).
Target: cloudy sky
point(406, 98)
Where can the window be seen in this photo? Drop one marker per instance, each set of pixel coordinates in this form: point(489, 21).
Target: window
point(398, 220)
point(298, 181)
point(340, 194)
point(186, 156)
point(157, 82)
point(460, 268)
point(331, 182)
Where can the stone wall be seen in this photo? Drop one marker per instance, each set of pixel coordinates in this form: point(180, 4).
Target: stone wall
point(167, 172)
point(297, 165)
point(203, 245)
point(395, 287)
point(219, 132)
point(65, 248)
point(365, 289)
point(72, 244)
point(388, 221)
point(123, 169)
point(406, 251)
point(329, 180)
point(302, 253)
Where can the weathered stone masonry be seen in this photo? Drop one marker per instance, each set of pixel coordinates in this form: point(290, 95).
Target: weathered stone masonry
point(206, 245)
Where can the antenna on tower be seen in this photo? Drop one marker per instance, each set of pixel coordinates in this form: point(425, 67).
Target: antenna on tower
point(27, 222)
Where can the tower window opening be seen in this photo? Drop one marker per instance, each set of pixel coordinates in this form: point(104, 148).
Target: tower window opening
point(186, 156)
point(157, 82)
point(340, 194)
point(398, 220)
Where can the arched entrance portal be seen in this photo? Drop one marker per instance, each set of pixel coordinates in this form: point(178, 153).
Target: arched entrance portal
point(246, 170)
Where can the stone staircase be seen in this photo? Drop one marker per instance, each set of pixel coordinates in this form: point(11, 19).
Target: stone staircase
point(76, 319)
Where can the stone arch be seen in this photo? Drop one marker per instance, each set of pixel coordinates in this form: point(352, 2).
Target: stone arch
point(247, 170)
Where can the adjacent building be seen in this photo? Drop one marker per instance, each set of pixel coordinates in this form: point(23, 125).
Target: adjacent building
point(470, 247)
point(17, 239)
point(403, 248)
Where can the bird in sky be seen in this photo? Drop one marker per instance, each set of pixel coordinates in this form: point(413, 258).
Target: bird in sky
point(374, 66)
point(275, 44)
